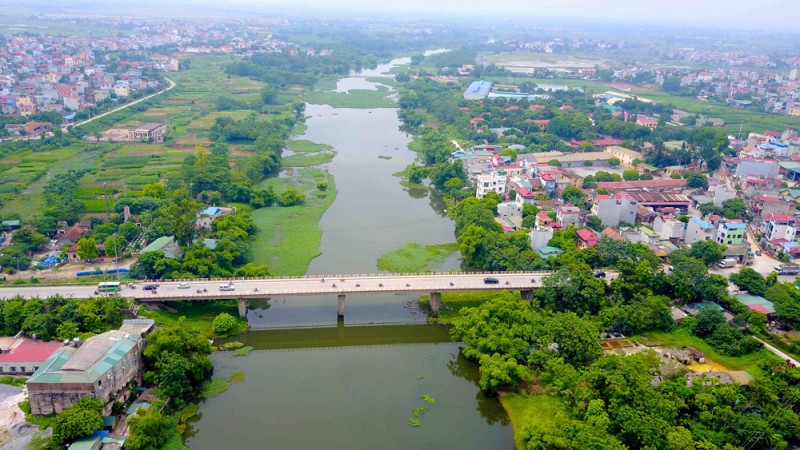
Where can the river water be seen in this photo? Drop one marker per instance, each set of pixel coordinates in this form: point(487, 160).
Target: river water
point(334, 385)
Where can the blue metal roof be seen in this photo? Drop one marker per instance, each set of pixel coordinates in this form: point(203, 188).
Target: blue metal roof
point(479, 87)
point(734, 226)
point(701, 222)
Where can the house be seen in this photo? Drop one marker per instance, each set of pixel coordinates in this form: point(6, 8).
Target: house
point(151, 132)
point(669, 228)
point(490, 182)
point(478, 90)
point(658, 200)
point(764, 205)
point(549, 252)
point(23, 356)
point(667, 183)
point(543, 220)
point(756, 303)
point(165, 245)
point(626, 156)
point(587, 239)
point(648, 236)
point(102, 368)
point(568, 215)
point(612, 234)
point(764, 168)
point(698, 230)
point(539, 237)
point(731, 232)
point(613, 209)
point(72, 252)
point(207, 215)
point(779, 226)
point(646, 121)
point(70, 236)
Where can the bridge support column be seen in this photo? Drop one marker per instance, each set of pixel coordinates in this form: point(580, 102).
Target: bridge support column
point(436, 302)
point(242, 303)
point(526, 294)
point(340, 312)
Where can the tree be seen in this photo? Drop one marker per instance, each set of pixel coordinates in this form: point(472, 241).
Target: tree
point(707, 322)
point(554, 163)
point(114, 245)
point(613, 162)
point(750, 281)
point(573, 288)
point(129, 231)
point(498, 372)
point(87, 249)
point(707, 251)
point(223, 324)
point(80, 420)
point(150, 430)
point(67, 331)
point(696, 180)
point(733, 208)
point(291, 197)
point(575, 196)
point(630, 175)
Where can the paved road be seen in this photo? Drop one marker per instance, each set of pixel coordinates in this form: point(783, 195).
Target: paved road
point(257, 288)
point(112, 111)
point(780, 354)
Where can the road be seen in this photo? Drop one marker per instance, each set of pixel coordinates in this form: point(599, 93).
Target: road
point(780, 354)
point(313, 285)
point(126, 105)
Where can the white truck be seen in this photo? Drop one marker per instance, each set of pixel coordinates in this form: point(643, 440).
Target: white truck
point(787, 269)
point(727, 262)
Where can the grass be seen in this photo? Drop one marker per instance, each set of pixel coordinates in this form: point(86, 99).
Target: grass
point(214, 387)
point(244, 351)
point(306, 146)
point(13, 381)
point(288, 238)
point(199, 315)
point(357, 98)
point(542, 409)
point(415, 257)
point(308, 160)
point(681, 337)
point(454, 302)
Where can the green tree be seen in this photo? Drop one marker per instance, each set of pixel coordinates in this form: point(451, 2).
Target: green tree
point(150, 430)
point(575, 196)
point(114, 245)
point(291, 197)
point(87, 249)
point(573, 288)
point(66, 331)
point(707, 322)
point(129, 231)
point(498, 372)
point(696, 180)
point(630, 175)
point(224, 324)
point(614, 162)
point(80, 420)
point(750, 281)
point(707, 251)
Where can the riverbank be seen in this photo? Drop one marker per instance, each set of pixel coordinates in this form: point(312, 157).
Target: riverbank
point(415, 257)
point(454, 302)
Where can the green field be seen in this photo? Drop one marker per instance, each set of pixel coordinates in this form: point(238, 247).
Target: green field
point(288, 238)
point(543, 410)
point(359, 98)
point(415, 257)
point(305, 146)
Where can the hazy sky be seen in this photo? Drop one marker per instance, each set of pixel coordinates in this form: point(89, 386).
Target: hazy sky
point(746, 13)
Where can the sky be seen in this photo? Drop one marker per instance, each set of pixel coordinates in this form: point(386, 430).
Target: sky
point(747, 13)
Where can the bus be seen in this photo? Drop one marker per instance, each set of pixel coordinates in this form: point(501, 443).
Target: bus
point(108, 286)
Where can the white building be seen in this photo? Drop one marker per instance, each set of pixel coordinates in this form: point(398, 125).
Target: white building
point(539, 237)
point(568, 215)
point(757, 167)
point(613, 209)
point(509, 210)
point(490, 182)
point(722, 193)
point(779, 226)
point(669, 228)
point(698, 230)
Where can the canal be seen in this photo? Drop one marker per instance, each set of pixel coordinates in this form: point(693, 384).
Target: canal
point(354, 385)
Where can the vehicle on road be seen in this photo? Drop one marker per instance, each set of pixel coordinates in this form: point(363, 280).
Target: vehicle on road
point(226, 287)
point(758, 252)
point(490, 280)
point(108, 286)
point(787, 269)
point(727, 262)
point(599, 274)
point(183, 286)
point(150, 287)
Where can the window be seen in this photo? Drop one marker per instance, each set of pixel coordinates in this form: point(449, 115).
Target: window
point(13, 369)
point(22, 369)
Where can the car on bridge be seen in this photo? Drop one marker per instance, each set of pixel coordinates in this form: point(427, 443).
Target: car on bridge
point(183, 286)
point(150, 287)
point(490, 280)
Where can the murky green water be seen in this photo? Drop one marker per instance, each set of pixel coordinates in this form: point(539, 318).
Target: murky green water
point(359, 396)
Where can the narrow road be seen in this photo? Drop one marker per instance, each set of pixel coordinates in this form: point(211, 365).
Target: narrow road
point(780, 354)
point(112, 111)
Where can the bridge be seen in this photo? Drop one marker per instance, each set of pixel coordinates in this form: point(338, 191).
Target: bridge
point(243, 289)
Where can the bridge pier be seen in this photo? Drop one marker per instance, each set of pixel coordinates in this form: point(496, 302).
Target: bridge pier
point(526, 294)
point(242, 303)
point(436, 302)
point(340, 311)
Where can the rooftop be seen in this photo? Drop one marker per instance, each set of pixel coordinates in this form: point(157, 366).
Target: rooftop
point(87, 363)
point(621, 185)
point(29, 350)
point(734, 226)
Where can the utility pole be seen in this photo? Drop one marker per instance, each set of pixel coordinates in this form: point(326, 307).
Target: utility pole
point(108, 211)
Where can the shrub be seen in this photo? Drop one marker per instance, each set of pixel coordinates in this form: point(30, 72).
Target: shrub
point(224, 324)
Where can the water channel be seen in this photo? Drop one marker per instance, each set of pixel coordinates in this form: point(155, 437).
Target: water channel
point(353, 385)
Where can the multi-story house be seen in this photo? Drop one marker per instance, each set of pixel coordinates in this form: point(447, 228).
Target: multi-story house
point(731, 232)
point(613, 209)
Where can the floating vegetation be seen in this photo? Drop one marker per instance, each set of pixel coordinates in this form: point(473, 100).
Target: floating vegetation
point(231, 345)
point(214, 387)
point(414, 422)
point(428, 399)
point(244, 351)
point(235, 377)
point(384, 157)
point(420, 411)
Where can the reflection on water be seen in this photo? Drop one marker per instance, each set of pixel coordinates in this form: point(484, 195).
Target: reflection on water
point(350, 398)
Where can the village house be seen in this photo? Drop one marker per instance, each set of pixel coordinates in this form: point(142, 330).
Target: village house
point(151, 132)
point(569, 215)
point(669, 228)
point(779, 226)
point(613, 209)
point(626, 156)
point(23, 356)
point(698, 230)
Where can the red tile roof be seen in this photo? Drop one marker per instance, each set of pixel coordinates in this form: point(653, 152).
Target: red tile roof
point(30, 350)
point(779, 217)
point(622, 185)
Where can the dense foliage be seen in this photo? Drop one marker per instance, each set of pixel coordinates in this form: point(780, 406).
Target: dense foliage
point(60, 318)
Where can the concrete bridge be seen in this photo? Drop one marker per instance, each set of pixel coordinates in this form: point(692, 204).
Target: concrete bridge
point(340, 285)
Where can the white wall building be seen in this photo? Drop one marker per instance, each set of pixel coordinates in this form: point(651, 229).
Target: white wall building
point(539, 237)
point(779, 226)
point(698, 230)
point(490, 182)
point(613, 209)
point(722, 193)
point(509, 210)
point(568, 215)
point(669, 228)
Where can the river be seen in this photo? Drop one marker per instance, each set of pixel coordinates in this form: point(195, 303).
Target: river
point(334, 385)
